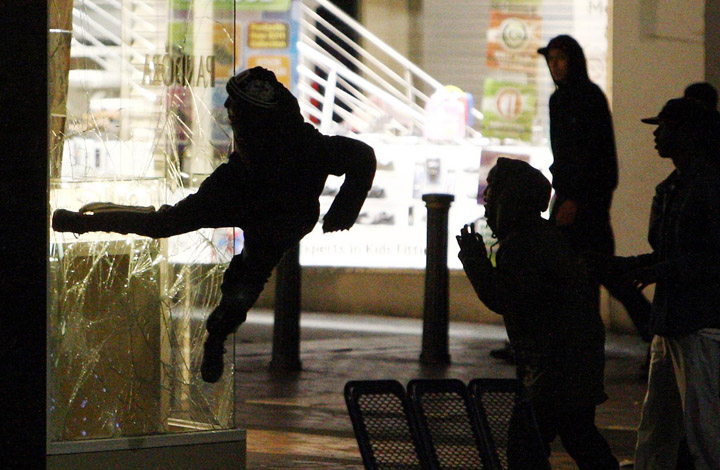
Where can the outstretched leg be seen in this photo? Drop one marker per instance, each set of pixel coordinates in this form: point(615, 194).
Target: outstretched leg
point(165, 222)
point(243, 282)
point(216, 203)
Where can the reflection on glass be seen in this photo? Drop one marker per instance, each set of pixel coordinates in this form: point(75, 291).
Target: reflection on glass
point(144, 126)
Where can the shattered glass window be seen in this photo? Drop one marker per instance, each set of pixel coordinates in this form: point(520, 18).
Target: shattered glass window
point(137, 118)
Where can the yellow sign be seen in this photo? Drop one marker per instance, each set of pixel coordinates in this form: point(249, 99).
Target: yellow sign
point(277, 63)
point(268, 36)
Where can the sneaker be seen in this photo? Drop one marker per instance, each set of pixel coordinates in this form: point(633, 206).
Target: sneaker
point(212, 362)
point(67, 221)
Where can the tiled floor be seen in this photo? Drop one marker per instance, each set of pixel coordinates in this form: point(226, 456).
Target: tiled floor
point(299, 420)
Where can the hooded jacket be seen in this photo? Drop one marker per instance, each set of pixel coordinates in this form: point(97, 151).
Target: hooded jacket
point(542, 290)
point(581, 134)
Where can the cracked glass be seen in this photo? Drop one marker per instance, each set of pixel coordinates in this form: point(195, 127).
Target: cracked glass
point(137, 118)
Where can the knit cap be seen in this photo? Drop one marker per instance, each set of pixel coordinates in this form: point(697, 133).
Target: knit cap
point(257, 86)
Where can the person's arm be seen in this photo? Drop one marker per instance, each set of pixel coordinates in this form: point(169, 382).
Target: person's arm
point(600, 169)
point(516, 285)
point(356, 160)
point(698, 260)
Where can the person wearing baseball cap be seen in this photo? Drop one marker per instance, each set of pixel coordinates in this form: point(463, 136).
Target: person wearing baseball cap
point(542, 289)
point(269, 187)
point(683, 395)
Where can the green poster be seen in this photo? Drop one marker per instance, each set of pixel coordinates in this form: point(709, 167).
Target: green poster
point(508, 109)
point(227, 5)
point(263, 5)
point(180, 37)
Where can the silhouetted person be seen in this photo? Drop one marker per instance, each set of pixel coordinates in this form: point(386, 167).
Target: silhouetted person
point(683, 396)
point(706, 94)
point(269, 188)
point(584, 169)
point(543, 291)
point(703, 92)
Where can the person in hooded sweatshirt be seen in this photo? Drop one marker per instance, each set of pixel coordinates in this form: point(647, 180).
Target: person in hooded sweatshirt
point(270, 188)
point(585, 169)
point(541, 287)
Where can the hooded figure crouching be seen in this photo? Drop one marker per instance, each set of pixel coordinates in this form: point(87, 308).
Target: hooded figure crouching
point(542, 289)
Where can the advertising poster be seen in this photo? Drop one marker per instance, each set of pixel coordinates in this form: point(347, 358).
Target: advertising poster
point(513, 40)
point(590, 26)
point(270, 38)
point(509, 109)
point(262, 5)
point(227, 52)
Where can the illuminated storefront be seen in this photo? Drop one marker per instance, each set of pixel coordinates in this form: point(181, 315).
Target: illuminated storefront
point(144, 124)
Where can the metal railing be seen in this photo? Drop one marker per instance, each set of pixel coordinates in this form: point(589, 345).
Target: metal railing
point(341, 81)
point(350, 81)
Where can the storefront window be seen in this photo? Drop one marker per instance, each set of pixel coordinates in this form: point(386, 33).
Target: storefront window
point(137, 93)
point(144, 124)
point(516, 87)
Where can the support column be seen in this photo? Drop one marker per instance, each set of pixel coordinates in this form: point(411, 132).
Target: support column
point(712, 42)
point(286, 330)
point(435, 310)
point(59, 36)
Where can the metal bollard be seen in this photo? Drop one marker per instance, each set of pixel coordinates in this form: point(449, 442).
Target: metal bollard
point(286, 329)
point(435, 310)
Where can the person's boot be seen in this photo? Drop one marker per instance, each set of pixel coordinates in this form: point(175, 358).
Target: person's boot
point(106, 217)
point(68, 221)
point(213, 362)
point(222, 322)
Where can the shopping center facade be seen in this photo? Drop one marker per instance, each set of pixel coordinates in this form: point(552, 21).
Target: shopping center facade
point(128, 130)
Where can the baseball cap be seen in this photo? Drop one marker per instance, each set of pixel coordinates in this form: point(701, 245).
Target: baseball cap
point(680, 110)
point(563, 42)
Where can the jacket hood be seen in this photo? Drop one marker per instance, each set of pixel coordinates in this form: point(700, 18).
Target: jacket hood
point(577, 64)
point(518, 193)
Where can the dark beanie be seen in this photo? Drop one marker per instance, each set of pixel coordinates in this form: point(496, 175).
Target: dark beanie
point(257, 86)
point(520, 184)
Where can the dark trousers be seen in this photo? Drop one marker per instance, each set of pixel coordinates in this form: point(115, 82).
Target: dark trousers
point(592, 233)
point(247, 272)
point(578, 434)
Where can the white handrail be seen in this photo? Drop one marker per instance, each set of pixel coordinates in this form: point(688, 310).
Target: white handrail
point(353, 77)
point(377, 42)
point(391, 80)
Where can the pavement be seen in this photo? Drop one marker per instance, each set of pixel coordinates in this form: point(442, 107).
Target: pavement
point(298, 420)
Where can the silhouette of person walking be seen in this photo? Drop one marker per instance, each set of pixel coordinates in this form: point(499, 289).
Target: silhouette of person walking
point(585, 169)
point(543, 291)
point(683, 395)
point(704, 93)
point(269, 188)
